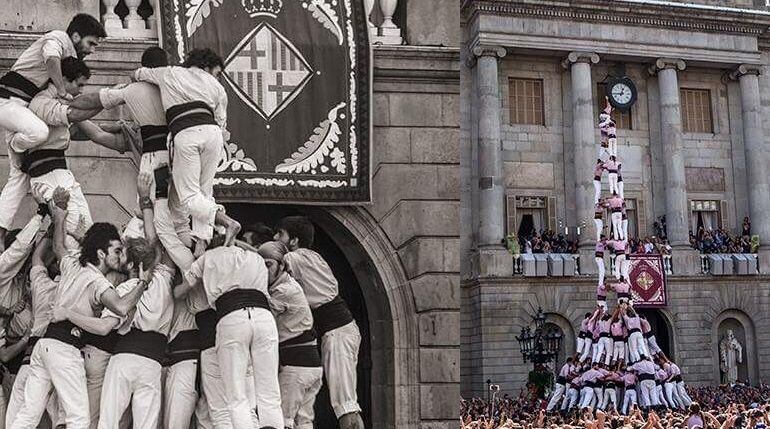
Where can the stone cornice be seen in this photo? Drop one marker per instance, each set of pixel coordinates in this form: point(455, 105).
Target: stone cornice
point(620, 13)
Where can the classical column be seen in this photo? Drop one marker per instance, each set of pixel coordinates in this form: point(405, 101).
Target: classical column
point(756, 161)
point(584, 145)
point(684, 258)
point(490, 164)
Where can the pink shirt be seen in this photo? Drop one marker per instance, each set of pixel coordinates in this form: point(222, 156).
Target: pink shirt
point(632, 322)
point(565, 370)
point(619, 245)
point(645, 325)
point(600, 246)
point(598, 170)
point(595, 330)
point(661, 374)
point(592, 375)
point(615, 202)
point(604, 326)
point(611, 166)
point(584, 325)
point(622, 287)
point(616, 329)
point(629, 378)
point(601, 291)
point(644, 367)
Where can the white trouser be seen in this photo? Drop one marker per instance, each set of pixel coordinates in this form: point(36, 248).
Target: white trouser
point(570, 399)
point(652, 345)
point(636, 346)
point(647, 391)
point(20, 129)
point(150, 162)
point(618, 349)
point(598, 225)
point(196, 152)
point(672, 395)
point(299, 387)
point(597, 190)
point(613, 179)
point(131, 380)
point(617, 218)
point(624, 227)
point(95, 361)
point(586, 397)
point(578, 345)
point(173, 231)
point(613, 146)
point(610, 396)
point(603, 153)
point(597, 399)
point(620, 188)
point(180, 396)
point(600, 268)
point(620, 261)
point(247, 335)
point(587, 348)
point(16, 400)
point(686, 401)
point(339, 352)
point(605, 348)
point(660, 396)
point(556, 396)
point(77, 206)
point(628, 400)
point(213, 412)
point(55, 365)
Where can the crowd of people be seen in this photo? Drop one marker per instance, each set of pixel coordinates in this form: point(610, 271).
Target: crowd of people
point(723, 406)
point(181, 318)
point(722, 241)
point(548, 241)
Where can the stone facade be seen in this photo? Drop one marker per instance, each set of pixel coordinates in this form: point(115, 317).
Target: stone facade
point(402, 246)
point(571, 48)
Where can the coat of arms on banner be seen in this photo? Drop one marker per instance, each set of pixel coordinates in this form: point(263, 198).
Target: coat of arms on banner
point(298, 77)
point(648, 281)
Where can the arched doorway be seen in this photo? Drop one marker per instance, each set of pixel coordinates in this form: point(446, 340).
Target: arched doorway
point(362, 290)
point(661, 328)
point(742, 327)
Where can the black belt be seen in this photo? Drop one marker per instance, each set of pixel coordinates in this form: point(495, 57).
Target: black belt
point(631, 331)
point(13, 84)
point(207, 328)
point(612, 136)
point(300, 355)
point(590, 384)
point(644, 377)
point(184, 346)
point(610, 384)
point(618, 338)
point(39, 162)
point(237, 299)
point(599, 216)
point(648, 334)
point(599, 254)
point(331, 315)
point(601, 297)
point(581, 334)
point(677, 378)
point(604, 335)
point(102, 342)
point(162, 174)
point(598, 178)
point(617, 210)
point(188, 115)
point(620, 252)
point(153, 138)
point(561, 380)
point(149, 344)
point(624, 295)
point(630, 386)
point(65, 332)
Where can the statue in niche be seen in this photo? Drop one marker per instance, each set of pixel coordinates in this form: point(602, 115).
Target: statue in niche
point(730, 355)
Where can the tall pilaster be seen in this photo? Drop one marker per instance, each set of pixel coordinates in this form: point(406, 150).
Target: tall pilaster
point(584, 145)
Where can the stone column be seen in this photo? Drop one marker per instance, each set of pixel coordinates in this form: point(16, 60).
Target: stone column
point(493, 257)
point(684, 258)
point(584, 145)
point(756, 161)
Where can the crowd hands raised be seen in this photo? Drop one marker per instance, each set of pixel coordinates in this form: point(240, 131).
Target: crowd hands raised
point(172, 321)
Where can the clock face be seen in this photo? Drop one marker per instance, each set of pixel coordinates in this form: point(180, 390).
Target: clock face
point(621, 93)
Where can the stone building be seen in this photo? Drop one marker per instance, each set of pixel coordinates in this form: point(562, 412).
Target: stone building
point(396, 257)
point(693, 147)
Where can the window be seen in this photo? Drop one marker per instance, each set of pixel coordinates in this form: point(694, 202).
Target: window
point(696, 110)
point(705, 214)
point(526, 101)
point(622, 119)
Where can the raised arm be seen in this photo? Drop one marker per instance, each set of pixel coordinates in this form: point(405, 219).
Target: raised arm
point(144, 186)
point(103, 138)
point(59, 215)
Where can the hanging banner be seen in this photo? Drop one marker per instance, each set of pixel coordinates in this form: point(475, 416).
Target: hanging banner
point(648, 281)
point(298, 79)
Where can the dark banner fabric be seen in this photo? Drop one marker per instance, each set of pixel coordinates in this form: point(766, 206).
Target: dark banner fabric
point(648, 281)
point(298, 79)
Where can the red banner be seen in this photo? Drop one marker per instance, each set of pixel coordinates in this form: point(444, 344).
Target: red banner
point(648, 281)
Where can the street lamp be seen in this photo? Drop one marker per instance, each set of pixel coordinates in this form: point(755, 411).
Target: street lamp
point(540, 346)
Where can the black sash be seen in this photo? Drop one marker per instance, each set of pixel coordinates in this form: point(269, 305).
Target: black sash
point(39, 162)
point(599, 254)
point(616, 209)
point(624, 295)
point(561, 380)
point(185, 346)
point(14, 364)
point(643, 377)
point(207, 328)
point(65, 332)
point(188, 115)
point(237, 299)
point(12, 84)
point(153, 138)
point(618, 338)
point(149, 344)
point(631, 331)
point(102, 342)
point(604, 335)
point(301, 350)
point(677, 378)
point(331, 315)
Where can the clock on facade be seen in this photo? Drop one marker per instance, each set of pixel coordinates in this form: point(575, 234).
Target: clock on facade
point(621, 92)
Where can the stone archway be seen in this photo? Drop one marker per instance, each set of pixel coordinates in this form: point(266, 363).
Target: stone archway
point(662, 326)
point(392, 365)
point(560, 322)
point(743, 329)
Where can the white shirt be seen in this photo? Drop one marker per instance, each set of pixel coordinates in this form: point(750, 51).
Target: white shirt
point(223, 269)
point(290, 308)
point(53, 111)
point(314, 275)
point(155, 308)
point(12, 260)
point(179, 85)
point(142, 100)
point(31, 62)
point(80, 288)
point(43, 289)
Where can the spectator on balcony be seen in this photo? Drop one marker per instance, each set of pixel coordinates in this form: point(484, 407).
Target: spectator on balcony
point(746, 226)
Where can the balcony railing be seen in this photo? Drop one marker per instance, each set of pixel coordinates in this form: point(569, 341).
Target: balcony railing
point(138, 23)
point(722, 264)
